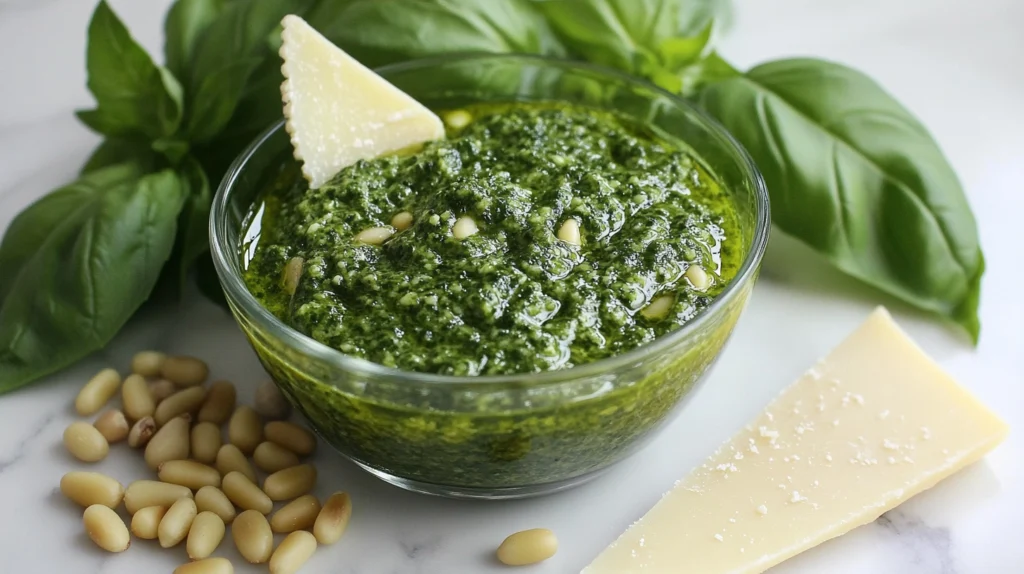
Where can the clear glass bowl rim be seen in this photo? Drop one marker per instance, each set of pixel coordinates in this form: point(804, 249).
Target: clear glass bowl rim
point(225, 257)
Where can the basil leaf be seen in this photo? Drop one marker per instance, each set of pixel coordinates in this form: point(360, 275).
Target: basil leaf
point(626, 34)
point(695, 15)
point(378, 32)
point(133, 94)
point(681, 66)
point(185, 23)
point(855, 176)
point(193, 239)
point(218, 97)
point(677, 52)
point(226, 55)
point(113, 151)
point(707, 71)
point(76, 265)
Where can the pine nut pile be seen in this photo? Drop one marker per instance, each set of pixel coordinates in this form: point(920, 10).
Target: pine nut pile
point(203, 484)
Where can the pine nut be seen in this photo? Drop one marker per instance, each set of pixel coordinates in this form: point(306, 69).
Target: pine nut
point(229, 459)
point(190, 473)
point(245, 430)
point(146, 522)
point(113, 426)
point(295, 550)
point(171, 442)
point(148, 363)
point(270, 403)
point(206, 442)
point(375, 235)
point(245, 494)
point(106, 529)
point(291, 482)
point(89, 488)
point(160, 389)
point(186, 401)
point(207, 566)
point(528, 547)
point(570, 232)
point(85, 443)
point(252, 536)
point(271, 457)
point(292, 274)
point(137, 400)
point(142, 431)
point(220, 403)
point(659, 307)
point(97, 392)
point(291, 436)
point(698, 277)
point(213, 499)
point(175, 524)
point(184, 371)
point(458, 119)
point(402, 221)
point(333, 519)
point(143, 493)
point(204, 536)
point(299, 514)
point(464, 227)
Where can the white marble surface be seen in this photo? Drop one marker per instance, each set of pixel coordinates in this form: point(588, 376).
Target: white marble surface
point(957, 64)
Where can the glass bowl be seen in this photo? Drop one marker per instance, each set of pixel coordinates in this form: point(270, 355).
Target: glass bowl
point(496, 436)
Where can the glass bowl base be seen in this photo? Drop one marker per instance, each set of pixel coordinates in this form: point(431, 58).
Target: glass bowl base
point(471, 493)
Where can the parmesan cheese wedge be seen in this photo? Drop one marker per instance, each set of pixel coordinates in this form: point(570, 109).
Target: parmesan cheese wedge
point(338, 111)
point(873, 424)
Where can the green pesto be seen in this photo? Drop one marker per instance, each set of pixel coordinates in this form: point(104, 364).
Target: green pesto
point(513, 298)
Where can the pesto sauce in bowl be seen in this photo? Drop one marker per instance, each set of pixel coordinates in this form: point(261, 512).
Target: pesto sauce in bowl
point(513, 298)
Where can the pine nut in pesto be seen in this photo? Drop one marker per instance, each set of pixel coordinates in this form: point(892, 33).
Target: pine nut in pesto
point(540, 233)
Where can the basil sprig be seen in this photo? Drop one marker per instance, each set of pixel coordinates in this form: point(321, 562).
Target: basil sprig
point(78, 263)
point(851, 172)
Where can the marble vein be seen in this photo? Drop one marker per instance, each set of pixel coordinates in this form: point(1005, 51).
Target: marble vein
point(930, 548)
point(23, 447)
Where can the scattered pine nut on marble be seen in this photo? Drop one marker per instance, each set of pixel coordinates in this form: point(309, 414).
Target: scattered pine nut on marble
point(178, 426)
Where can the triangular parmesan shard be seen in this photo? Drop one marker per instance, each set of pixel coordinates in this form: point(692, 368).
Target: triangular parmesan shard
point(338, 111)
point(873, 424)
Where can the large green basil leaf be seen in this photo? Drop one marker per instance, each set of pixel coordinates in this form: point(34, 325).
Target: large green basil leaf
point(217, 98)
point(226, 55)
point(854, 175)
point(185, 23)
point(133, 94)
point(624, 34)
point(379, 32)
point(651, 38)
point(76, 265)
